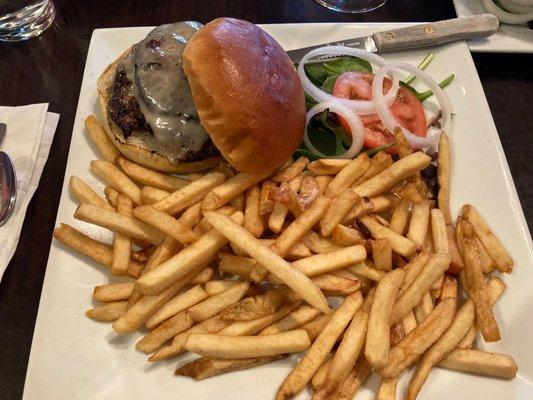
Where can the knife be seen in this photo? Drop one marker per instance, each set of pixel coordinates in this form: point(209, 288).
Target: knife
point(3, 128)
point(450, 30)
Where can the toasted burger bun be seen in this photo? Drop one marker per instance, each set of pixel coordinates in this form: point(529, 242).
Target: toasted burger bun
point(141, 147)
point(247, 94)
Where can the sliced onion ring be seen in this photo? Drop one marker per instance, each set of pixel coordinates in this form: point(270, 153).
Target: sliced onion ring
point(356, 127)
point(361, 107)
point(390, 123)
point(507, 17)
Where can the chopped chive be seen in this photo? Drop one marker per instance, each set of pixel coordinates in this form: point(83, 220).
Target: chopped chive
point(425, 62)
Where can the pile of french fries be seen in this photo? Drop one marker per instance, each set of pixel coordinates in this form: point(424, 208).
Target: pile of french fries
point(237, 268)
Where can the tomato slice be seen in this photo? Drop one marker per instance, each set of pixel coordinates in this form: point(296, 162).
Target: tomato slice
point(407, 110)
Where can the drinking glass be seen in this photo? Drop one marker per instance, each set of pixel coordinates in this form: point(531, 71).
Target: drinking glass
point(24, 19)
point(352, 6)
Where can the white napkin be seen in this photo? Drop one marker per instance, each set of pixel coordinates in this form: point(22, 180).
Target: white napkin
point(29, 135)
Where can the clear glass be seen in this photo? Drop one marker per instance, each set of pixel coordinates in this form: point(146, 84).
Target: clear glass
point(352, 6)
point(24, 19)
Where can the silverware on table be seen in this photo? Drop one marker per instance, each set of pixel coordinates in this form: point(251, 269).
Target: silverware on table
point(8, 183)
point(451, 30)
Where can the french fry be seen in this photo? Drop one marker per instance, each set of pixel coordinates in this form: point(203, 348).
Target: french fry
point(265, 203)
point(298, 252)
point(113, 292)
point(387, 389)
point(189, 259)
point(409, 322)
point(253, 220)
point(142, 255)
point(402, 145)
point(354, 380)
point(458, 329)
point(85, 194)
point(338, 209)
point(191, 216)
point(419, 340)
point(319, 244)
point(238, 202)
point(208, 367)
point(418, 227)
point(332, 285)
point(412, 270)
point(399, 217)
point(151, 195)
point(345, 236)
point(316, 326)
point(213, 305)
point(365, 271)
point(327, 166)
point(434, 268)
point(449, 287)
point(270, 260)
point(214, 287)
point(167, 330)
point(481, 363)
point(438, 231)
point(177, 304)
point(381, 220)
point(221, 194)
point(117, 179)
point(424, 308)
point(323, 182)
point(376, 204)
point(119, 223)
point(394, 174)
point(149, 177)
point(100, 139)
point(378, 163)
point(319, 350)
point(490, 243)
point(292, 171)
point(223, 346)
point(293, 320)
point(277, 217)
point(165, 223)
point(378, 335)
point(476, 286)
point(111, 195)
point(400, 244)
point(309, 192)
point(348, 175)
point(456, 265)
point(204, 226)
point(190, 194)
point(122, 243)
point(487, 263)
point(107, 312)
point(444, 165)
point(238, 265)
point(254, 307)
point(319, 378)
point(95, 250)
point(382, 254)
point(327, 262)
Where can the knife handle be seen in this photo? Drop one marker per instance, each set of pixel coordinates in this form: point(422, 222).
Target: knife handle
point(450, 30)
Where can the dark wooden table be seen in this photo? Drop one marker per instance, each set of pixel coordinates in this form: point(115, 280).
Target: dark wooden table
point(50, 68)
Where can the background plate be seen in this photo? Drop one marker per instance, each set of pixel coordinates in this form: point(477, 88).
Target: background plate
point(73, 357)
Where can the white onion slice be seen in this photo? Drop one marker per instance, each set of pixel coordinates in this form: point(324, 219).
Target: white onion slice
point(507, 17)
point(361, 107)
point(390, 123)
point(516, 8)
point(356, 128)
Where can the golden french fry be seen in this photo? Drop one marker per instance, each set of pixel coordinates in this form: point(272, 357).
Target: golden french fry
point(119, 223)
point(348, 175)
point(221, 194)
point(165, 223)
point(487, 263)
point(456, 265)
point(309, 192)
point(238, 265)
point(316, 326)
point(213, 305)
point(444, 165)
point(362, 269)
point(100, 139)
point(418, 227)
point(122, 243)
point(382, 254)
point(108, 311)
point(292, 171)
point(333, 285)
point(412, 270)
point(319, 350)
point(208, 367)
point(189, 259)
point(327, 166)
point(167, 330)
point(375, 204)
point(237, 203)
point(394, 174)
point(381, 220)
point(419, 340)
point(399, 217)
point(449, 287)
point(319, 378)
point(400, 244)
point(253, 220)
point(111, 194)
point(323, 263)
point(434, 268)
point(346, 236)
point(338, 209)
point(117, 179)
point(277, 217)
point(97, 251)
point(85, 194)
point(149, 177)
point(151, 195)
point(481, 363)
point(458, 329)
point(265, 203)
point(319, 244)
point(438, 232)
point(424, 308)
point(387, 389)
point(378, 163)
point(214, 287)
point(378, 332)
point(190, 194)
point(270, 260)
point(402, 145)
point(113, 292)
point(177, 304)
point(293, 320)
point(204, 226)
point(254, 307)
point(409, 322)
point(354, 380)
point(476, 286)
point(191, 216)
point(490, 243)
point(323, 181)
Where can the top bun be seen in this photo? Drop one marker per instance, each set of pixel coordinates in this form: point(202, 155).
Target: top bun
point(247, 94)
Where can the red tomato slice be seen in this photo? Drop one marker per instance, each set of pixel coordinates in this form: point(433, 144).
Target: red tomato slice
point(407, 110)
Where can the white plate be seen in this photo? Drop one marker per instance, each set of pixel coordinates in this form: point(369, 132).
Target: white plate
point(74, 357)
point(508, 39)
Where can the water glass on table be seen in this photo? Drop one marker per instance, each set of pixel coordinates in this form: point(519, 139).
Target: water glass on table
point(24, 19)
point(352, 6)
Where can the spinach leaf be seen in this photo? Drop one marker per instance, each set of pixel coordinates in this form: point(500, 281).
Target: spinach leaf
point(421, 96)
point(318, 72)
point(328, 84)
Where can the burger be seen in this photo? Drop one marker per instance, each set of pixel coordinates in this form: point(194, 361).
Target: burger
point(188, 95)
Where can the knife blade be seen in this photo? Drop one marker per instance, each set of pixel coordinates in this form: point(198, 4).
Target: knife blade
point(3, 128)
point(476, 26)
